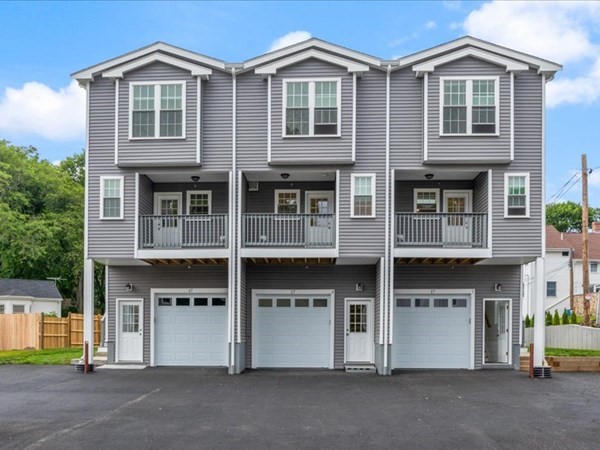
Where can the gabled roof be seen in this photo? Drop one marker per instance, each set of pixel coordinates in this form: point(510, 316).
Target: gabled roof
point(350, 65)
point(544, 66)
point(195, 69)
point(29, 288)
point(312, 43)
point(89, 73)
point(560, 241)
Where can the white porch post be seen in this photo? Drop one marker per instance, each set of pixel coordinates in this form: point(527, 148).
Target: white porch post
point(88, 306)
point(539, 330)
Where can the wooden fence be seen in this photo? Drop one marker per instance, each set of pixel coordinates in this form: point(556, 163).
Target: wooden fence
point(21, 331)
point(569, 336)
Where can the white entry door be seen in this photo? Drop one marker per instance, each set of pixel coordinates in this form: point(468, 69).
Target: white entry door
point(319, 228)
point(359, 331)
point(496, 323)
point(130, 332)
point(167, 228)
point(457, 229)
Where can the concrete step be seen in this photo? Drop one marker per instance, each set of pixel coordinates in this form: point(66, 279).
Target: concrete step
point(360, 368)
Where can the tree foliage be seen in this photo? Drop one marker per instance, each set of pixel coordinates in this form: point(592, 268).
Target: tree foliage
point(41, 217)
point(566, 216)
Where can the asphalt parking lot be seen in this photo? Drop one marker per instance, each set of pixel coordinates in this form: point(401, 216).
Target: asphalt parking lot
point(54, 407)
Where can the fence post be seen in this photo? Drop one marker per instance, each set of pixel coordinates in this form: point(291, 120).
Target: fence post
point(42, 331)
point(69, 341)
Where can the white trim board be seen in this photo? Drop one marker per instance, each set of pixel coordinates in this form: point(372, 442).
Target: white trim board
point(194, 69)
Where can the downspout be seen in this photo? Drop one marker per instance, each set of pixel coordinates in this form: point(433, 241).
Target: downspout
point(233, 233)
point(387, 223)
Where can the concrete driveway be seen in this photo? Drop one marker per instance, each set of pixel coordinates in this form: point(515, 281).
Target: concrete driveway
point(54, 407)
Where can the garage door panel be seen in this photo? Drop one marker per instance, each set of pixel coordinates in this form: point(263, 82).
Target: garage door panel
point(191, 335)
point(291, 336)
point(431, 337)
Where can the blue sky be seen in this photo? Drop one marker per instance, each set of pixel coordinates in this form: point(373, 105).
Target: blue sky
point(42, 43)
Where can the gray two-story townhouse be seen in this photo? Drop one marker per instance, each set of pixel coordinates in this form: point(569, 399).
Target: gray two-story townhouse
point(315, 207)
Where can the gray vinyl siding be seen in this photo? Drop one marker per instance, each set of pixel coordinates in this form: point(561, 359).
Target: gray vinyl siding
point(406, 119)
point(145, 152)
point(220, 196)
point(146, 278)
point(364, 236)
point(340, 278)
point(217, 122)
point(480, 278)
point(263, 200)
point(522, 237)
point(311, 150)
point(251, 129)
point(404, 196)
point(146, 200)
point(107, 238)
point(480, 193)
point(465, 149)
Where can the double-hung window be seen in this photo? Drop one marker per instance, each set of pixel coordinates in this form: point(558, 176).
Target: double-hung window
point(312, 108)
point(551, 289)
point(111, 197)
point(157, 110)
point(516, 202)
point(594, 267)
point(469, 106)
point(287, 201)
point(363, 195)
point(427, 200)
point(199, 202)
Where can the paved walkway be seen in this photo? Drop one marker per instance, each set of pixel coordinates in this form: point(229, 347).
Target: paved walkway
point(54, 407)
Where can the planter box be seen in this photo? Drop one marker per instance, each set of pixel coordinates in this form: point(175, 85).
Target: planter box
point(574, 363)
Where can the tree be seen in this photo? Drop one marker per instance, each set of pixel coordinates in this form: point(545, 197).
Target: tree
point(556, 318)
point(566, 216)
point(41, 217)
point(564, 320)
point(573, 318)
point(548, 320)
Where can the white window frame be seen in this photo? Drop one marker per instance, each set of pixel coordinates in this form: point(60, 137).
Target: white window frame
point(121, 179)
point(286, 191)
point(311, 107)
point(373, 214)
point(157, 87)
point(469, 104)
point(436, 191)
point(188, 201)
point(527, 194)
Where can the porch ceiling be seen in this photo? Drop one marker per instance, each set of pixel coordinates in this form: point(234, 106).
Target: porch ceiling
point(292, 261)
point(186, 261)
point(186, 176)
point(294, 175)
point(438, 175)
point(437, 261)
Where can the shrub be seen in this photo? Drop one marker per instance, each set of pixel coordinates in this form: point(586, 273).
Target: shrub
point(556, 318)
point(533, 320)
point(548, 321)
point(565, 317)
point(573, 318)
point(527, 321)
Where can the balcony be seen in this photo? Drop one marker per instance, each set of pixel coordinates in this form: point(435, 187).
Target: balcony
point(183, 237)
point(289, 230)
point(445, 230)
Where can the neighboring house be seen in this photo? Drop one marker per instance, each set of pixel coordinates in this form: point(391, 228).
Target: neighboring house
point(560, 248)
point(315, 206)
point(29, 296)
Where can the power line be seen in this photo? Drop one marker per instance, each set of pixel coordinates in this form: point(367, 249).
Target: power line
point(565, 188)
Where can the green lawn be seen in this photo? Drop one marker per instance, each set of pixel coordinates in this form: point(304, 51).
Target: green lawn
point(571, 352)
point(55, 356)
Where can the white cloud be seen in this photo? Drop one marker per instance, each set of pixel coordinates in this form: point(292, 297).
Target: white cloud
point(452, 5)
point(293, 37)
point(38, 110)
point(430, 25)
point(559, 31)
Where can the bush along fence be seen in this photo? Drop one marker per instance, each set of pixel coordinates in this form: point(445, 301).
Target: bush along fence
point(39, 331)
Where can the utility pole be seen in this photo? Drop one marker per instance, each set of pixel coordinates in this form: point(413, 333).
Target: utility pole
point(584, 236)
point(571, 282)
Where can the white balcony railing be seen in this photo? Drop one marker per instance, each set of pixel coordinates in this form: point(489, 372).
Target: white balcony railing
point(289, 230)
point(183, 231)
point(448, 230)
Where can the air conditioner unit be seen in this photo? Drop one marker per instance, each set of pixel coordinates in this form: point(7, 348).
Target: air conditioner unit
point(253, 186)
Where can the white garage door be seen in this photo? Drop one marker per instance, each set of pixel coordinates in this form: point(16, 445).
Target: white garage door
point(292, 331)
point(432, 332)
point(191, 330)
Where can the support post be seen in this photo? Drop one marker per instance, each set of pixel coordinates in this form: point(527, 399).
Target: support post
point(539, 328)
point(88, 306)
